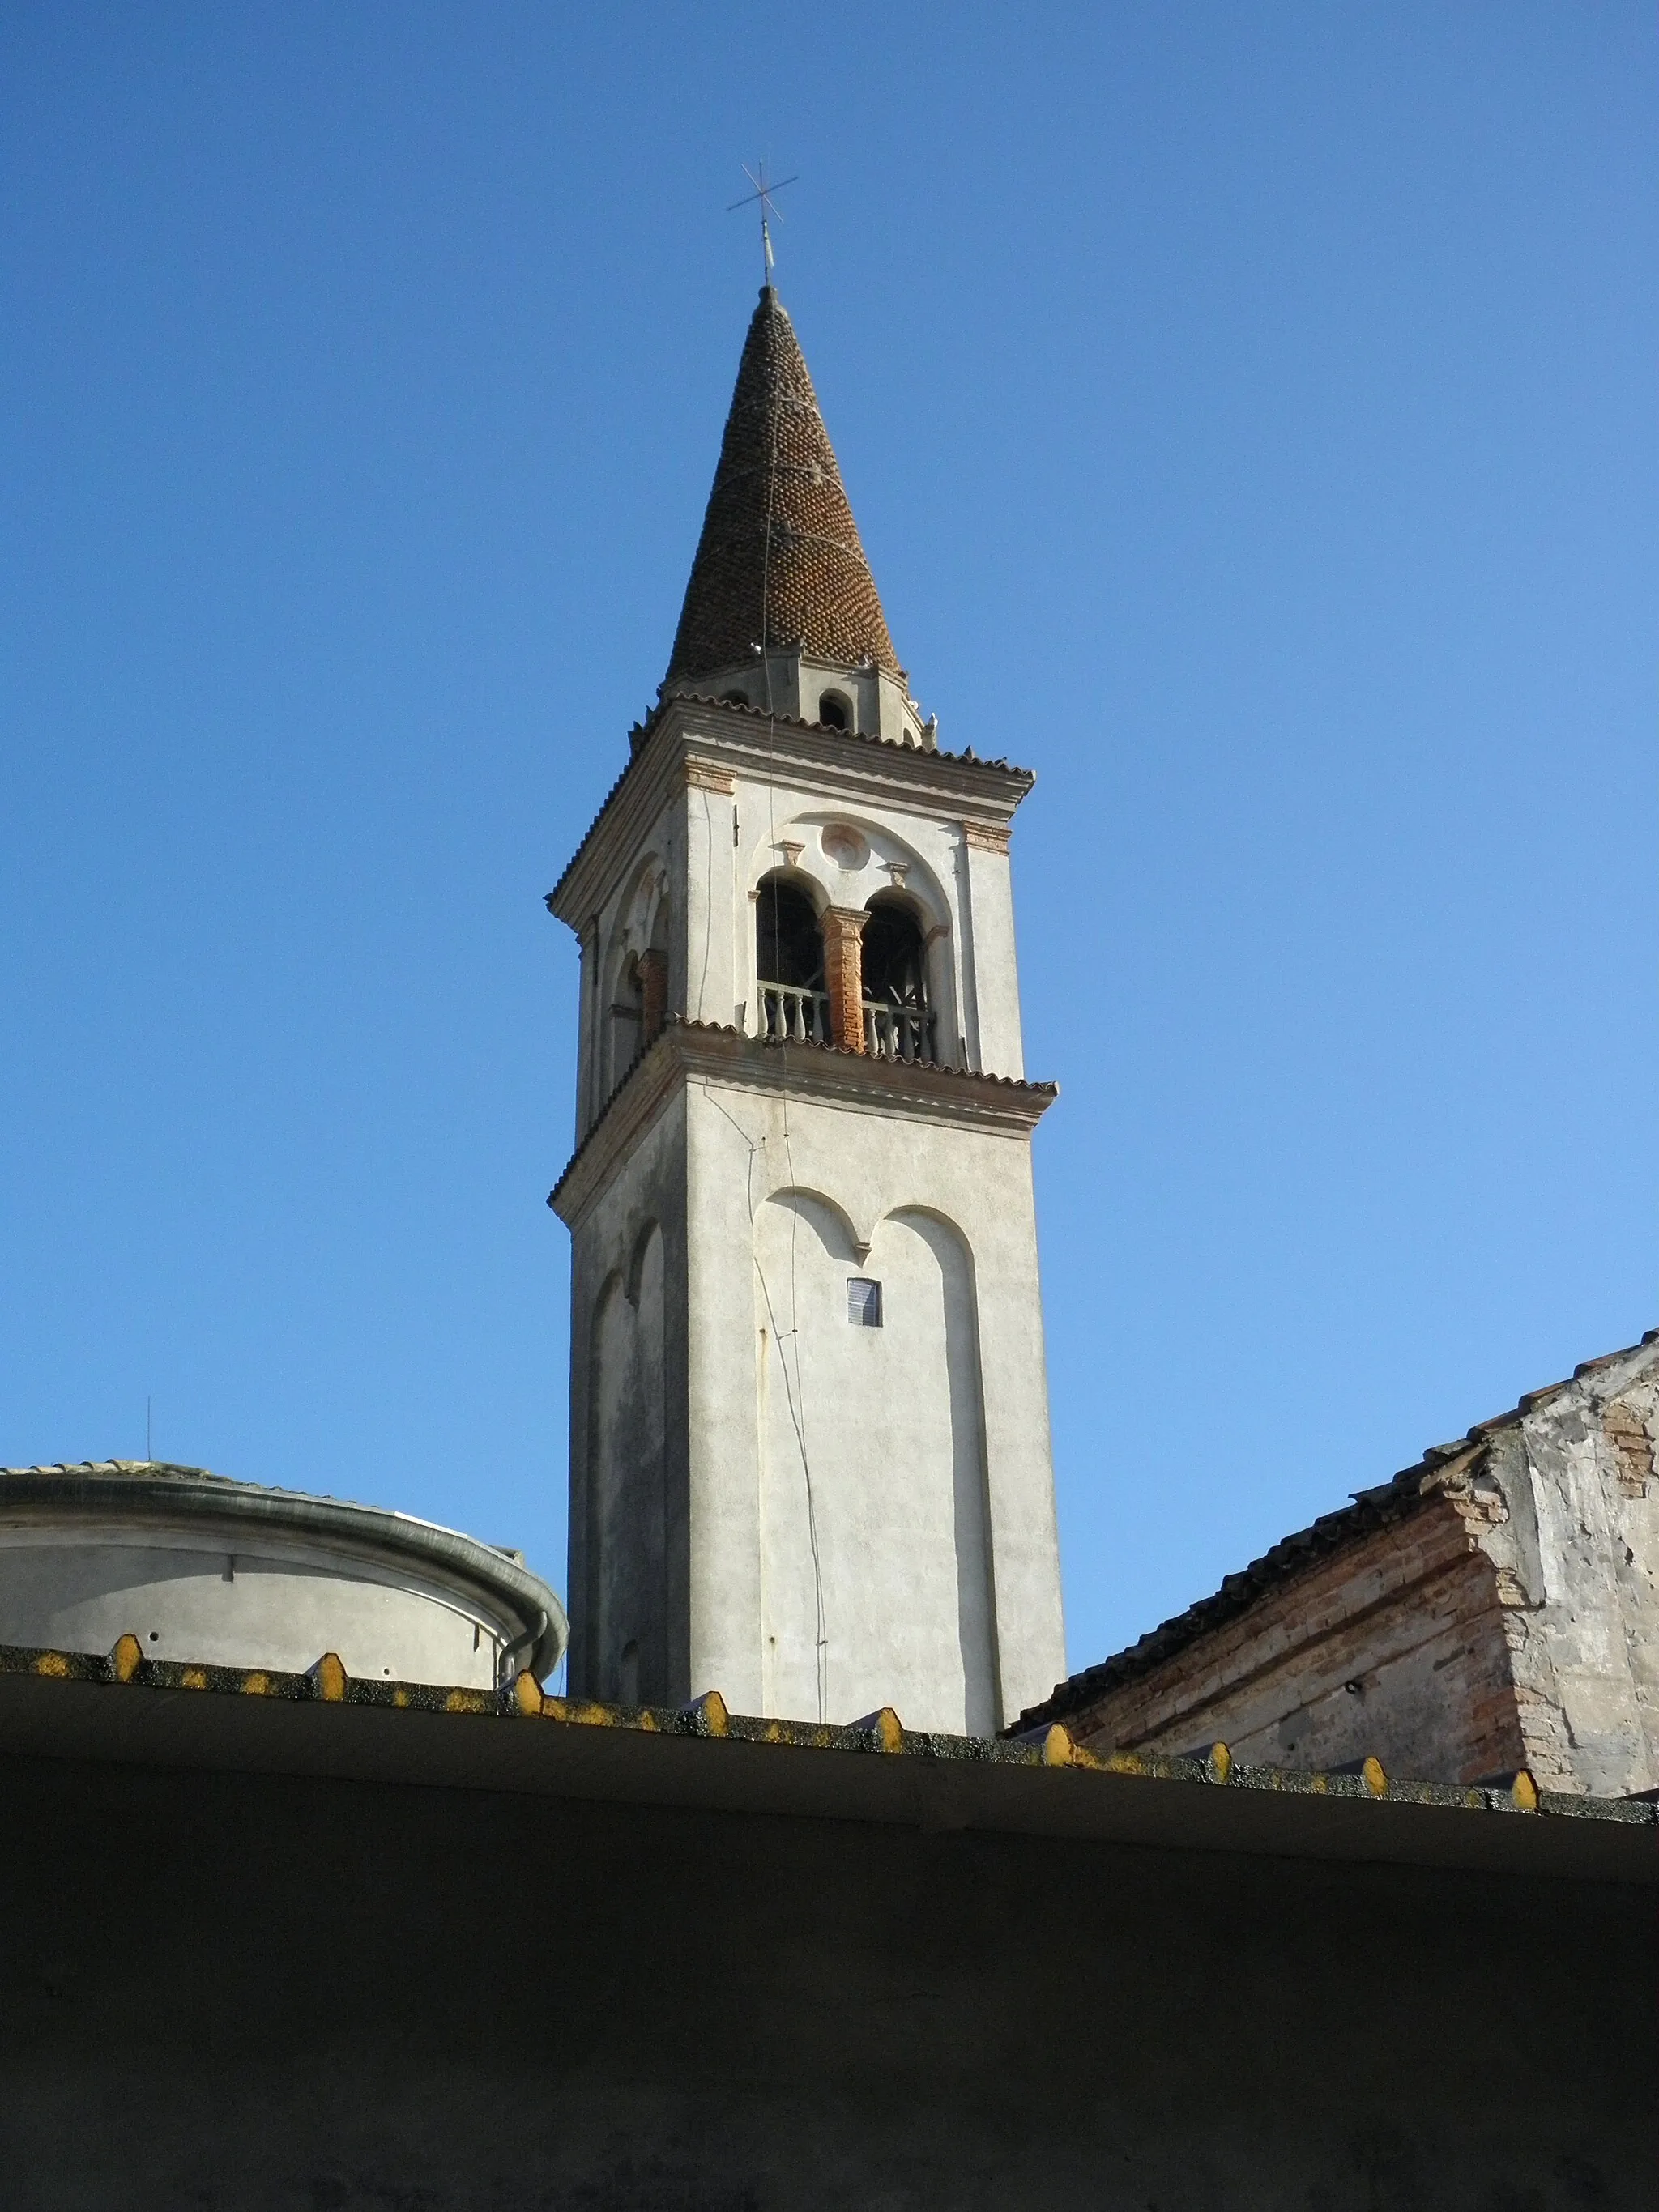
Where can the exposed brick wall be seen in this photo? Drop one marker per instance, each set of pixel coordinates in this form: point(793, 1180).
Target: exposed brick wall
point(1497, 1606)
point(654, 993)
point(1409, 1616)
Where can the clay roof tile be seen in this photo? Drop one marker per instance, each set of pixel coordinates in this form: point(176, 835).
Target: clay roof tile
point(779, 560)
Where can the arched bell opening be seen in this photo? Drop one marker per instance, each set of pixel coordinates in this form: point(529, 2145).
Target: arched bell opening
point(899, 1024)
point(789, 964)
point(633, 981)
point(623, 1001)
point(653, 977)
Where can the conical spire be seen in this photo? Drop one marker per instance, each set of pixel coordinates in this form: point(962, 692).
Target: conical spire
point(779, 561)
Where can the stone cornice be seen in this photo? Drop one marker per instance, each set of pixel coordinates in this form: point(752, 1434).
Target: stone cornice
point(708, 744)
point(826, 1074)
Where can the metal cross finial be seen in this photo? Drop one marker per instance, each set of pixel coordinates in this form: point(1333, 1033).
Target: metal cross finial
point(762, 193)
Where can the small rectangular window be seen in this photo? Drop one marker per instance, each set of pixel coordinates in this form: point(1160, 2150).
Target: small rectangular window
point(863, 1302)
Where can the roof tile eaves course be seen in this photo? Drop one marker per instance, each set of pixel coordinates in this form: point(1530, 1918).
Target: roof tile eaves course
point(967, 759)
point(551, 899)
point(1371, 1510)
point(641, 730)
point(926, 1068)
point(780, 1046)
point(136, 1466)
point(880, 1735)
point(163, 1471)
point(166, 1470)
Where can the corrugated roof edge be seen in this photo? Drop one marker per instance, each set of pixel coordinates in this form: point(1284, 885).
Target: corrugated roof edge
point(1371, 1510)
point(641, 731)
point(780, 1045)
point(881, 1734)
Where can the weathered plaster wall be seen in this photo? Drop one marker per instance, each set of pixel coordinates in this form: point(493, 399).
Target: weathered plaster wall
point(872, 1471)
point(1576, 1551)
point(926, 1440)
point(627, 1477)
point(700, 1286)
point(628, 1580)
point(271, 1994)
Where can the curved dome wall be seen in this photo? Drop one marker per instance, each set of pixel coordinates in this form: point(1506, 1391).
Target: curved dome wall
point(200, 1568)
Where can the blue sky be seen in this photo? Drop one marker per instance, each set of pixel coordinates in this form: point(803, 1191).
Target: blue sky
point(1249, 416)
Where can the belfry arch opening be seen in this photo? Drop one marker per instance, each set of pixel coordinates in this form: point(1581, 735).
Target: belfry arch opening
point(653, 977)
point(899, 1024)
point(789, 964)
point(633, 987)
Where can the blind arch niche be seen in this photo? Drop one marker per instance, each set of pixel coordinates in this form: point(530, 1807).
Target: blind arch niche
point(875, 1533)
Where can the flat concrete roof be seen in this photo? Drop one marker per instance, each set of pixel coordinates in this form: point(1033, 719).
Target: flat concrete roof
point(125, 1708)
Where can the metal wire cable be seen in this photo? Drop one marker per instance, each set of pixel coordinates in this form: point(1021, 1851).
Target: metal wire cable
point(796, 1399)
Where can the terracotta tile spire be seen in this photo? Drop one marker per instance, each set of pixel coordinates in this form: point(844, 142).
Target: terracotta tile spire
point(810, 587)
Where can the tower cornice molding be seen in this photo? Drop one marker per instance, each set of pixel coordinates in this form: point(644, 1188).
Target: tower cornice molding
point(709, 742)
point(687, 1051)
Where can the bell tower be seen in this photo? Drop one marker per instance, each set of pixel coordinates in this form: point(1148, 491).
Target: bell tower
point(809, 1451)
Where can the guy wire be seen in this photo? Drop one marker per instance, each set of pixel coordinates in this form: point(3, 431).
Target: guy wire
point(798, 1400)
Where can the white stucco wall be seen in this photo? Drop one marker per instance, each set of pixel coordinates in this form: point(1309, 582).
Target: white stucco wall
point(627, 1432)
point(925, 1441)
point(875, 1562)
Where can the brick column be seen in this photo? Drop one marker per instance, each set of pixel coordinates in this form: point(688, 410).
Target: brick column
point(654, 994)
point(843, 974)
